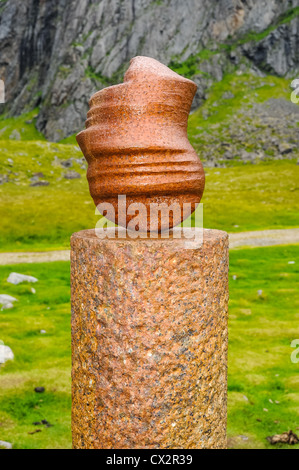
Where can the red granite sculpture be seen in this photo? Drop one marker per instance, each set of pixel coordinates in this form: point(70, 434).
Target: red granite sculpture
point(149, 317)
point(136, 144)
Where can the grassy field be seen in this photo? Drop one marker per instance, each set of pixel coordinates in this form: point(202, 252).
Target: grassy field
point(238, 198)
point(40, 359)
point(263, 384)
point(261, 328)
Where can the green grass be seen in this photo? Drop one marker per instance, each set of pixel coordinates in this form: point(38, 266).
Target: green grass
point(34, 218)
point(246, 88)
point(188, 68)
point(21, 127)
point(40, 359)
point(289, 15)
point(236, 199)
point(90, 73)
point(69, 140)
point(261, 328)
point(252, 197)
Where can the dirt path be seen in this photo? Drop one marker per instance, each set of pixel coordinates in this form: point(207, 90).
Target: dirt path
point(264, 238)
point(34, 257)
point(237, 240)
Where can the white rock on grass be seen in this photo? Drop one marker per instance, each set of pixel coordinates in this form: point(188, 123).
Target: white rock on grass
point(7, 306)
point(16, 278)
point(5, 445)
point(6, 354)
point(7, 299)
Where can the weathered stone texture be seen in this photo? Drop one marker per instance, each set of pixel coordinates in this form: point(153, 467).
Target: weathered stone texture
point(56, 53)
point(136, 143)
point(149, 342)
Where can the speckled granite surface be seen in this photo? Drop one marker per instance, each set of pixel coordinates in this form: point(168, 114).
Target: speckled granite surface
point(136, 144)
point(149, 342)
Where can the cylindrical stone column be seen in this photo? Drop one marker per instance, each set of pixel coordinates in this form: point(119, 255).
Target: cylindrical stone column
point(149, 342)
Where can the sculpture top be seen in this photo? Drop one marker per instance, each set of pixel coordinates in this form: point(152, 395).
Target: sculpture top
point(141, 68)
point(136, 143)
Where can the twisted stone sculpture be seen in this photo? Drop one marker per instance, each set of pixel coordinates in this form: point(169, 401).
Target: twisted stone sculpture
point(149, 316)
point(136, 144)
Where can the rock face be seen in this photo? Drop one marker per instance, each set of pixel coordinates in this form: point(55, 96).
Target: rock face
point(56, 53)
point(269, 131)
point(136, 145)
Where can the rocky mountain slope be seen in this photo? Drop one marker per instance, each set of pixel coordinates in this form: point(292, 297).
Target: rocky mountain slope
point(55, 53)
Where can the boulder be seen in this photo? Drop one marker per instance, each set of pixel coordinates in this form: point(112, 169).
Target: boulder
point(6, 354)
point(6, 299)
point(16, 278)
point(71, 175)
point(5, 445)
